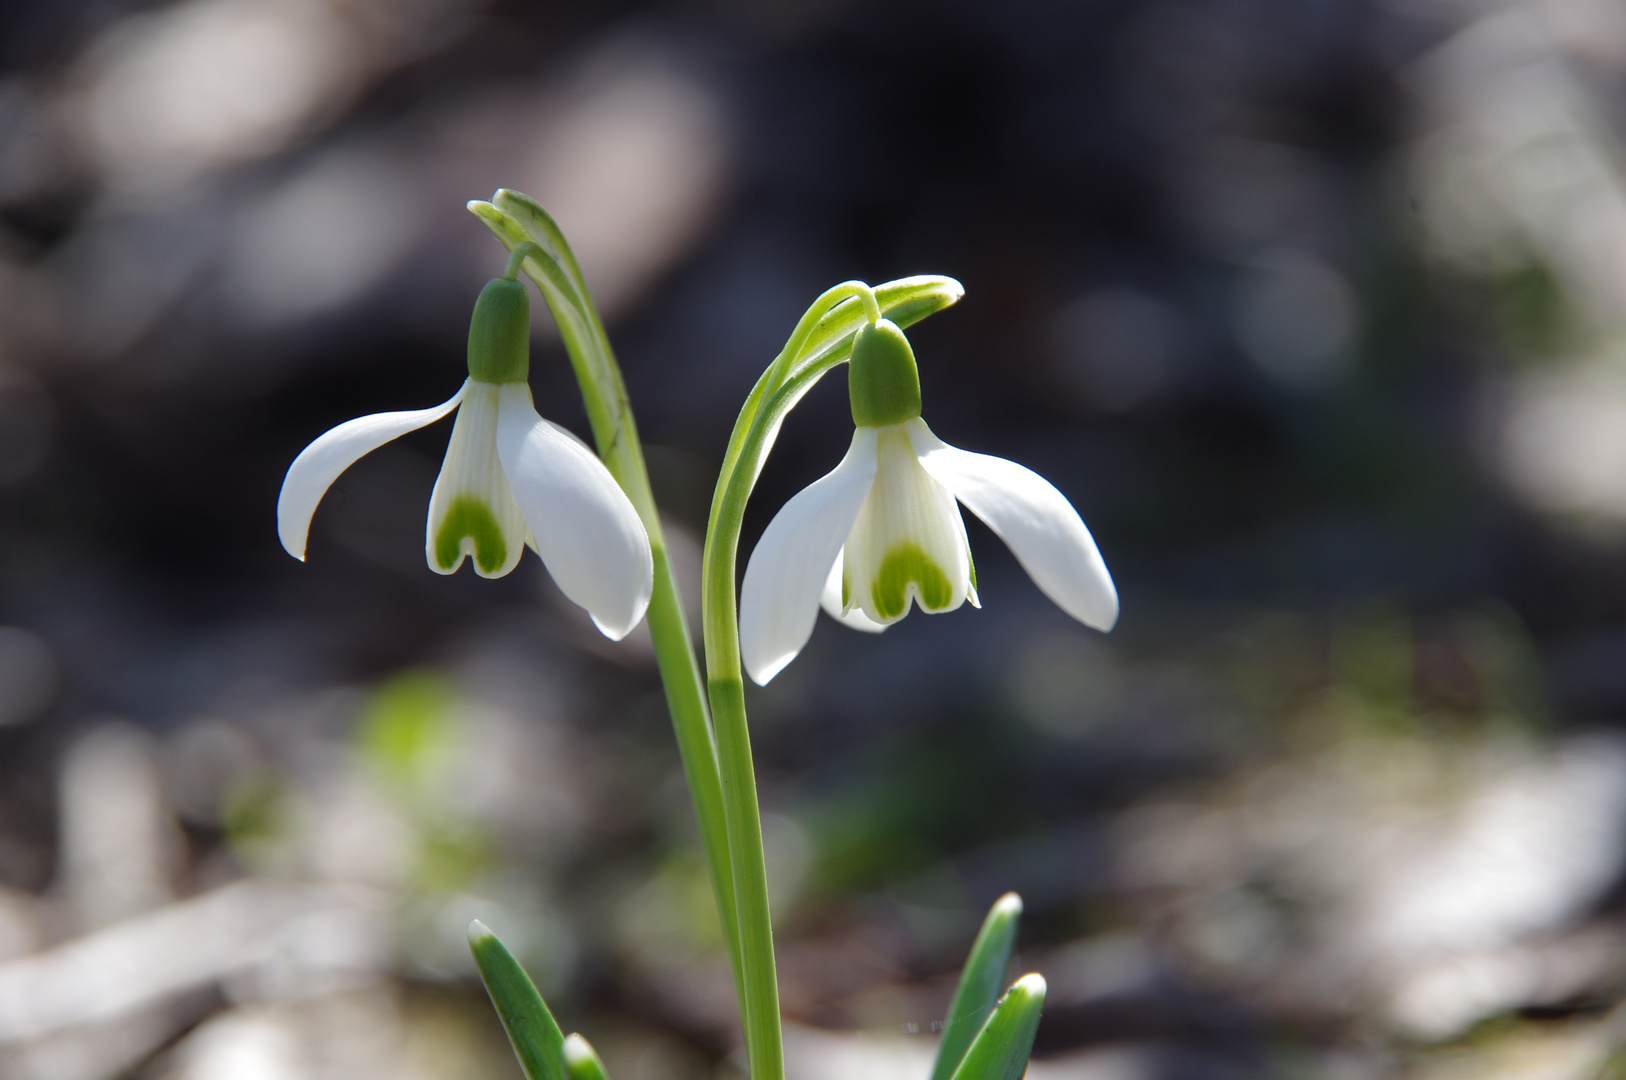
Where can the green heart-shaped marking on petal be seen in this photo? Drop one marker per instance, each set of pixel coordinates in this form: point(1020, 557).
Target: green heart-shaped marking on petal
point(904, 564)
point(470, 517)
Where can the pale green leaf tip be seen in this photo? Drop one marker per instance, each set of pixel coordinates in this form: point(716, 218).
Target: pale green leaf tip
point(479, 934)
point(1032, 987)
point(1009, 906)
point(581, 1060)
point(577, 1051)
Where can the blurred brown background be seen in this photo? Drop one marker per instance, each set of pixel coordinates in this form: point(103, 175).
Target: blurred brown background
point(1316, 309)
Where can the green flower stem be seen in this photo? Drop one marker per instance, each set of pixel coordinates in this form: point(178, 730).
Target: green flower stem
point(716, 750)
point(820, 341)
point(759, 1005)
point(536, 242)
point(517, 257)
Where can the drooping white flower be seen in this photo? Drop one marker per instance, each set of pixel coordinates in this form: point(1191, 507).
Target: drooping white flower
point(882, 531)
point(510, 479)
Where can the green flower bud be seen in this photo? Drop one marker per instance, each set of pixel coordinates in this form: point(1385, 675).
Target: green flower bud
point(882, 381)
point(500, 333)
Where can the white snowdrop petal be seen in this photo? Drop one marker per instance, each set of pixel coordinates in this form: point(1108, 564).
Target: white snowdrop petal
point(585, 528)
point(472, 512)
point(1040, 526)
point(320, 463)
point(785, 579)
point(833, 607)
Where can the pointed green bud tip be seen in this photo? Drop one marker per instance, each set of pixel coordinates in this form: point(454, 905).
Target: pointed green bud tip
point(581, 1060)
point(1028, 990)
point(1008, 906)
point(479, 933)
point(882, 380)
point(577, 1050)
point(500, 333)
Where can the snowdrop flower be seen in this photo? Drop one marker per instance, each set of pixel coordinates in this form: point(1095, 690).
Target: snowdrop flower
point(882, 530)
point(510, 479)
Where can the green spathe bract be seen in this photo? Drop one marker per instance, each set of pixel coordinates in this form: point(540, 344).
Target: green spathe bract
point(500, 333)
point(472, 518)
point(905, 565)
point(882, 380)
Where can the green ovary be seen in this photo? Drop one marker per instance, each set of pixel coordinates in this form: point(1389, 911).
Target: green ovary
point(470, 517)
point(904, 564)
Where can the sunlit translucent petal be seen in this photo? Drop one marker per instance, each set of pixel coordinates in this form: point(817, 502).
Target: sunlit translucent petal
point(1038, 523)
point(831, 601)
point(585, 528)
point(779, 598)
point(907, 545)
point(472, 513)
point(320, 463)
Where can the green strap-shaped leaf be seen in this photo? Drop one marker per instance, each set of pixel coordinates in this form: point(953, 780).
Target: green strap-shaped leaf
point(980, 984)
point(1001, 1049)
point(537, 1041)
point(582, 1061)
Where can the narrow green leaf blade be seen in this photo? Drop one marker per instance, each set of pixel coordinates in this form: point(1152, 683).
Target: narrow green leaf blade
point(979, 984)
point(536, 1038)
point(582, 1061)
point(1001, 1049)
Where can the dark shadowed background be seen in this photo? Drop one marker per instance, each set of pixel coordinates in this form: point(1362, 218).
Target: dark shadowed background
point(1315, 310)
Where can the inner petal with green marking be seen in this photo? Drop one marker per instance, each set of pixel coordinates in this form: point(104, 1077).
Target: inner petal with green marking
point(472, 512)
point(907, 568)
point(908, 543)
point(470, 528)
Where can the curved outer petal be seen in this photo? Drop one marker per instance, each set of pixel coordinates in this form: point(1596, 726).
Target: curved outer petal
point(1038, 523)
point(779, 599)
point(320, 463)
point(831, 602)
point(585, 528)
